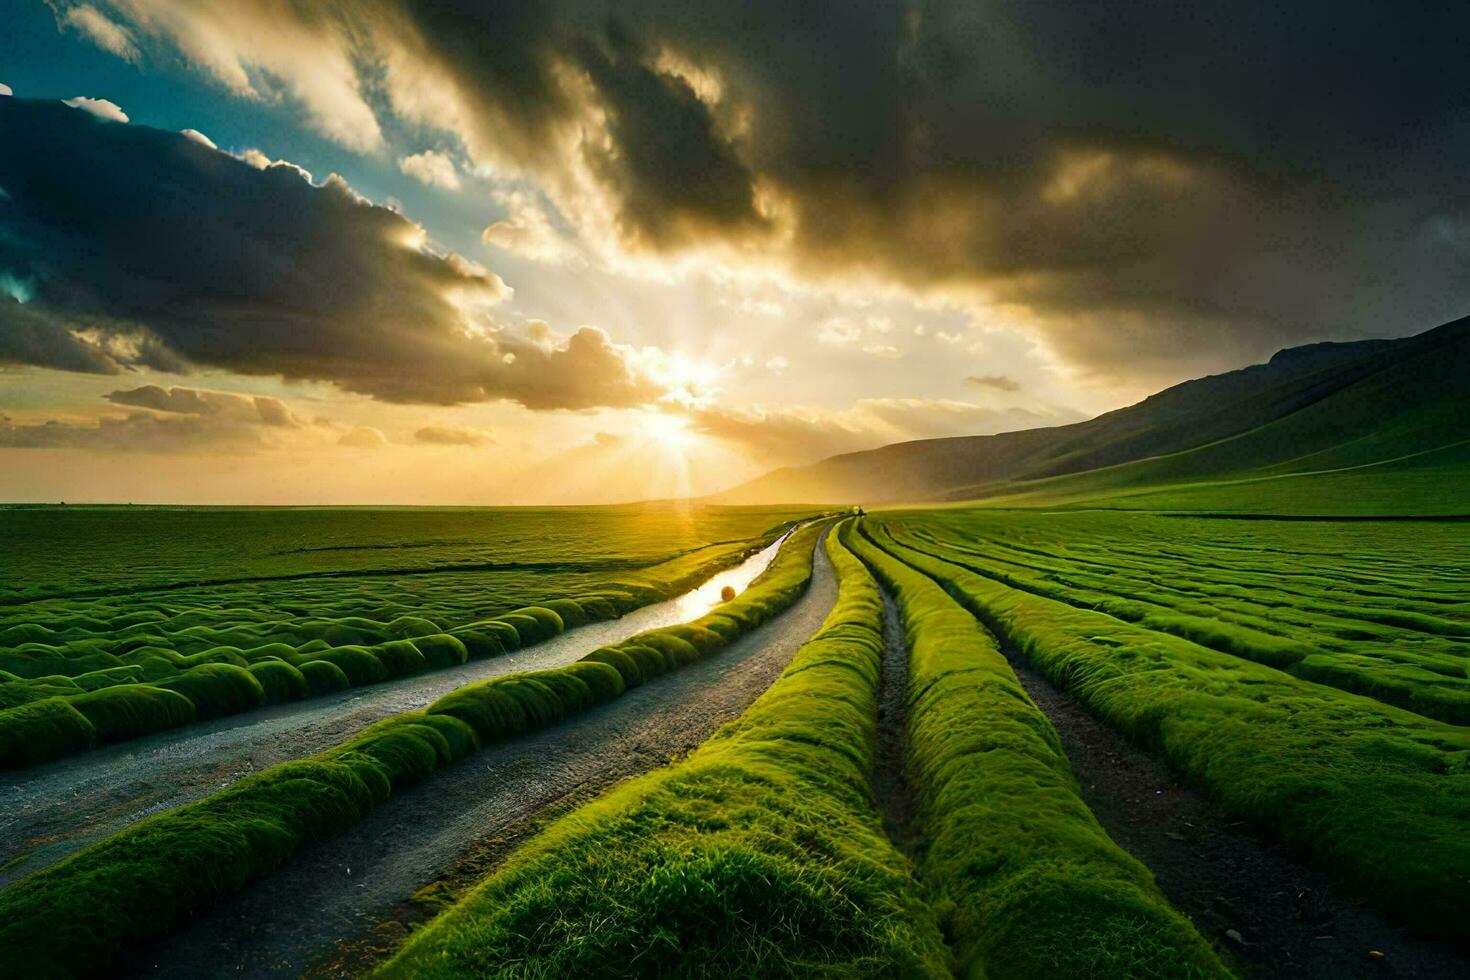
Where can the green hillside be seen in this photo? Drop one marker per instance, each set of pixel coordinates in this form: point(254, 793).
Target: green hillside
point(1375, 427)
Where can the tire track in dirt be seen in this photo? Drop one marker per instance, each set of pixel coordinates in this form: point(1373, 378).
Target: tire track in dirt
point(890, 780)
point(1273, 915)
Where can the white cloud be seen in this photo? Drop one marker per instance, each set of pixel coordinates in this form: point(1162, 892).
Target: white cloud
point(269, 54)
point(528, 230)
point(260, 161)
point(433, 168)
point(178, 400)
point(799, 434)
point(777, 364)
point(838, 332)
point(255, 158)
point(177, 419)
point(363, 437)
point(101, 108)
point(452, 435)
point(200, 138)
point(107, 35)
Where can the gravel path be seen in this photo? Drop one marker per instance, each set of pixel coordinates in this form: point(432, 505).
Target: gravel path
point(335, 892)
point(48, 812)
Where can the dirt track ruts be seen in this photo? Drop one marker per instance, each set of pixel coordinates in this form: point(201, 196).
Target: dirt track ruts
point(890, 780)
point(50, 811)
point(336, 891)
point(1288, 919)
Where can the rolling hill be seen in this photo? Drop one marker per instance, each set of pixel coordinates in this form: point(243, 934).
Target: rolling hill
point(1374, 426)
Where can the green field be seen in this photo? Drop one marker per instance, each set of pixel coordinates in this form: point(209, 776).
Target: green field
point(70, 551)
point(1310, 677)
point(1306, 675)
point(151, 878)
point(1376, 608)
point(124, 621)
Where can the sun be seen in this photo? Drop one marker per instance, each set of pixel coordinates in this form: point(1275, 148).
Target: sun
point(670, 432)
point(689, 381)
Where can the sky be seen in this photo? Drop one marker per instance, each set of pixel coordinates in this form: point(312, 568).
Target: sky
point(567, 251)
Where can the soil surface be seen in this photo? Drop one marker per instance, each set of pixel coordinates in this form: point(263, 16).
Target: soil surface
point(50, 811)
point(890, 783)
point(1269, 913)
point(339, 906)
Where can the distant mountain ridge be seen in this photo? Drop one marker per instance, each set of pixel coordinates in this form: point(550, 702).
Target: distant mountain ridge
point(1328, 405)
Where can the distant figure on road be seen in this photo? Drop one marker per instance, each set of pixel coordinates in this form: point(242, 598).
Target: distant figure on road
point(727, 593)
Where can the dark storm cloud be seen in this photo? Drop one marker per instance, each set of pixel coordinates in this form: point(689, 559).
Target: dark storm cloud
point(672, 172)
point(1154, 180)
point(1149, 182)
point(676, 174)
point(125, 246)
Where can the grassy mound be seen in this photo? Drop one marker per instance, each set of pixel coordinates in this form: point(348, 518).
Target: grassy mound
point(1266, 592)
point(357, 663)
point(217, 689)
point(121, 713)
point(280, 681)
point(323, 678)
point(73, 918)
point(441, 650)
point(42, 731)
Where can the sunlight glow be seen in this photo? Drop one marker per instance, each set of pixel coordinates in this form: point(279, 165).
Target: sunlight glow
point(670, 432)
point(689, 381)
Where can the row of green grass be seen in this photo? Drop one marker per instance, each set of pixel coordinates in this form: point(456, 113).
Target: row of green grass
point(761, 854)
point(1024, 880)
point(1401, 656)
point(74, 918)
point(48, 717)
point(1377, 796)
